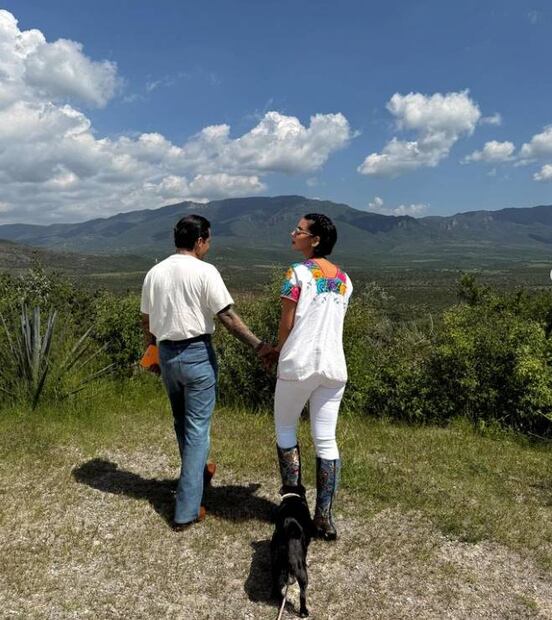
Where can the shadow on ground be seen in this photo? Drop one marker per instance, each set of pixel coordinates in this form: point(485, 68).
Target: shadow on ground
point(232, 502)
point(238, 502)
point(258, 585)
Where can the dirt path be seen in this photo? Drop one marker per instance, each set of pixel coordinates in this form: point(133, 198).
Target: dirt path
point(89, 538)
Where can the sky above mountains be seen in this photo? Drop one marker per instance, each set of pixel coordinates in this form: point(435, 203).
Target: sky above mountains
point(425, 108)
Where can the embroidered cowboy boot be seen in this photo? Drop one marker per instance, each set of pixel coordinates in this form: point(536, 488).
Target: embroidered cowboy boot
point(327, 481)
point(289, 460)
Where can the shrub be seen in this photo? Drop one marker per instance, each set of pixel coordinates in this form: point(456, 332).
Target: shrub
point(242, 380)
point(32, 365)
point(117, 328)
point(487, 359)
point(385, 362)
point(490, 365)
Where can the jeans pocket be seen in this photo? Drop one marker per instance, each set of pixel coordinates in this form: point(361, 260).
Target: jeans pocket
point(194, 353)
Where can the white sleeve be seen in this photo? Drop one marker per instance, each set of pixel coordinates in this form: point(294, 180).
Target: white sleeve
point(145, 302)
point(217, 296)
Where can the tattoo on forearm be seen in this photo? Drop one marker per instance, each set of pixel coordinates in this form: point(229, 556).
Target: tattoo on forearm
point(237, 327)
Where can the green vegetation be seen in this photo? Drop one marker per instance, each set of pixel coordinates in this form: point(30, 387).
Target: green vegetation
point(444, 435)
point(30, 367)
point(487, 358)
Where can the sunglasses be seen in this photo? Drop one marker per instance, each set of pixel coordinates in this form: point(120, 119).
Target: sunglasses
point(299, 231)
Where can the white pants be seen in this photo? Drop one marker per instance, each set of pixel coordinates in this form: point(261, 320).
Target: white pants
point(324, 398)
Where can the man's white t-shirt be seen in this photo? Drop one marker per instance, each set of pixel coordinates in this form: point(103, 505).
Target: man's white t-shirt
point(315, 344)
point(182, 294)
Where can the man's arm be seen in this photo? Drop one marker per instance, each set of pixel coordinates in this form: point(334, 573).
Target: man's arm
point(233, 323)
point(149, 338)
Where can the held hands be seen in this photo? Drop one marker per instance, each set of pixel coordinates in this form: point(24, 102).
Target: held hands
point(268, 355)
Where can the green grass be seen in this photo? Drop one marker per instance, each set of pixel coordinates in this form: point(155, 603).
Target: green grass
point(469, 485)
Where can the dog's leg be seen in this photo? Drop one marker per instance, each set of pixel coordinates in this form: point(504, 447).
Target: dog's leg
point(303, 581)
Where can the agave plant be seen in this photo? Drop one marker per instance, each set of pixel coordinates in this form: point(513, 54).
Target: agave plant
point(30, 349)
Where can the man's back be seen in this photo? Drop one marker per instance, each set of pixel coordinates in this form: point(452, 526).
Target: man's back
point(181, 295)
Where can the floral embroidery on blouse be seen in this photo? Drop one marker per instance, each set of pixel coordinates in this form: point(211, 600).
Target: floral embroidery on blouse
point(337, 284)
point(289, 290)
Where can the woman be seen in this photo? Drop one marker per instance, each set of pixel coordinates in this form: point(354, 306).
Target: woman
point(311, 365)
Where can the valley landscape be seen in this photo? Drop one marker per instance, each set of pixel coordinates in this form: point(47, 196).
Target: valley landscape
point(424, 131)
point(417, 261)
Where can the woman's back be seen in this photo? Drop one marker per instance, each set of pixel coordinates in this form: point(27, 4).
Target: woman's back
point(315, 344)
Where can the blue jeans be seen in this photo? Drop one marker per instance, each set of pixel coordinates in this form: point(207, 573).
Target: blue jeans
point(189, 371)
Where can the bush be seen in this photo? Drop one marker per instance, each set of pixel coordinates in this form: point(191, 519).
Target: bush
point(487, 359)
point(490, 365)
point(40, 364)
point(242, 380)
point(117, 328)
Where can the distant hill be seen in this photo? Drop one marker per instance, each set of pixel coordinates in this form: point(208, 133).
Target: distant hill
point(257, 230)
point(15, 257)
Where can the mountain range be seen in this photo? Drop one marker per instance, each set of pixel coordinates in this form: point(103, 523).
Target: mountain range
point(258, 229)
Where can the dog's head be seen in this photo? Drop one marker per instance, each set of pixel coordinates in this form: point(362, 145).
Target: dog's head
point(294, 504)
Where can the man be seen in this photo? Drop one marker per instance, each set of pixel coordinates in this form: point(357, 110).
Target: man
point(180, 298)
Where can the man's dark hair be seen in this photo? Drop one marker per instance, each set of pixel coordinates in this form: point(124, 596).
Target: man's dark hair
point(321, 226)
point(189, 229)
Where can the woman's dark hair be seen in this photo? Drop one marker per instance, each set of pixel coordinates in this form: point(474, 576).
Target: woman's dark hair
point(321, 226)
point(189, 229)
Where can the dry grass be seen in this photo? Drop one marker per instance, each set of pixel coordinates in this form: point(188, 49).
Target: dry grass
point(84, 529)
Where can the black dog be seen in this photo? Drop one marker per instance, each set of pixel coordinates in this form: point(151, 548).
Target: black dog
point(290, 543)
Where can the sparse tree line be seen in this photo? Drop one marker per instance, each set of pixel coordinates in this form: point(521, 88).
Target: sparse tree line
point(487, 358)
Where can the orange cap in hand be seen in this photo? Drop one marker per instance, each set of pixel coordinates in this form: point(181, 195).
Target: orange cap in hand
point(151, 357)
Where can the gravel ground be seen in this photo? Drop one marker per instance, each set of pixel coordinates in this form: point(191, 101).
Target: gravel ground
point(90, 538)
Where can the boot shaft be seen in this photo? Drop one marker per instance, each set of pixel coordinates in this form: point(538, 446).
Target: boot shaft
point(289, 461)
point(327, 481)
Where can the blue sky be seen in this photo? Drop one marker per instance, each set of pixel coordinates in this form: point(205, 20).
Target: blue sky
point(423, 108)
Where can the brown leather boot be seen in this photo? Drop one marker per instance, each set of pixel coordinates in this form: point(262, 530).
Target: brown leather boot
point(208, 473)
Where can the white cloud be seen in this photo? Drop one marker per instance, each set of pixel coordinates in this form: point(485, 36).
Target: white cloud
point(32, 68)
point(495, 119)
point(54, 167)
point(60, 70)
point(493, 152)
point(165, 81)
point(278, 143)
point(172, 187)
point(538, 148)
point(222, 185)
point(438, 120)
point(414, 210)
point(545, 173)
point(376, 204)
point(540, 145)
